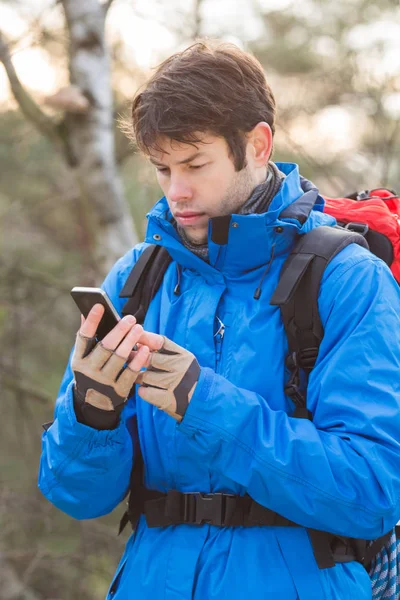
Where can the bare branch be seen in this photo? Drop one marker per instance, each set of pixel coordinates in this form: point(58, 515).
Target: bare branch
point(197, 19)
point(69, 99)
point(28, 106)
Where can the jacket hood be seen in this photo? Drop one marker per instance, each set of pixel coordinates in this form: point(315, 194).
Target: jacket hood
point(240, 243)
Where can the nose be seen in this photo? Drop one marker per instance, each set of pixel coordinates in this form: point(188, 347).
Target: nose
point(179, 190)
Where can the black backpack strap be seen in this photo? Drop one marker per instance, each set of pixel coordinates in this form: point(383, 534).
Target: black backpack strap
point(140, 288)
point(138, 494)
point(144, 280)
point(376, 546)
point(378, 242)
point(229, 510)
point(297, 296)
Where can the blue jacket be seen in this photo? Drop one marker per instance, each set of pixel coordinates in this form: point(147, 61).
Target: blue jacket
point(340, 472)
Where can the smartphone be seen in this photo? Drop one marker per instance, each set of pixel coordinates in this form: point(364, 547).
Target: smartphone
point(86, 297)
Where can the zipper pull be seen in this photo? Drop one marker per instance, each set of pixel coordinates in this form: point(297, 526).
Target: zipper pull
point(221, 329)
point(219, 336)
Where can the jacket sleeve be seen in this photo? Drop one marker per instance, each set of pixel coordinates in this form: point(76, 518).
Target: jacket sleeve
point(83, 471)
point(340, 472)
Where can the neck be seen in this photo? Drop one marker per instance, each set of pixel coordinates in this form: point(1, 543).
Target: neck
point(262, 174)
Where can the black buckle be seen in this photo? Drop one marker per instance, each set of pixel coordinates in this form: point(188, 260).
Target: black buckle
point(304, 359)
point(361, 228)
point(293, 391)
point(291, 361)
point(307, 358)
point(210, 508)
point(292, 388)
point(198, 508)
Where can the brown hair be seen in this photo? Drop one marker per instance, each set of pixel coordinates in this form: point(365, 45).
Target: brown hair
point(214, 88)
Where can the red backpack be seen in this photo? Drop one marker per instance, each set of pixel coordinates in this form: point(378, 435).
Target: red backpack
point(376, 215)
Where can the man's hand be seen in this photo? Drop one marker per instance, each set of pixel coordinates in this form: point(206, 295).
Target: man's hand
point(101, 377)
point(170, 379)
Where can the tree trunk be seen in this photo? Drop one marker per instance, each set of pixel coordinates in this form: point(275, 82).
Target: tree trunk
point(89, 136)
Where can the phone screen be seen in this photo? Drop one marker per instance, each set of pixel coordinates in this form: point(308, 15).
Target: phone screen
point(86, 298)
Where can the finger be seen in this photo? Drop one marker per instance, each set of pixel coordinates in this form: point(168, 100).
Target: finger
point(113, 366)
point(83, 347)
point(140, 359)
point(82, 320)
point(154, 341)
point(91, 323)
point(129, 341)
point(99, 356)
point(113, 339)
point(125, 381)
point(134, 353)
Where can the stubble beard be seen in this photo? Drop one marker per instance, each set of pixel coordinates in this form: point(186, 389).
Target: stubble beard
point(234, 198)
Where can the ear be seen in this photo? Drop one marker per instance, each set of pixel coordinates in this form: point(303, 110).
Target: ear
point(261, 141)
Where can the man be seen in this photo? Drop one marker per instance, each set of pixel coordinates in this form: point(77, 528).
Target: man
point(212, 355)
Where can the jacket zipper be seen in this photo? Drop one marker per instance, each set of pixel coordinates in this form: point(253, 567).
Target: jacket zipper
point(219, 336)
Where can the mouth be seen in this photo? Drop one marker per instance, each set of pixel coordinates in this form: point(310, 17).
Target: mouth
point(189, 218)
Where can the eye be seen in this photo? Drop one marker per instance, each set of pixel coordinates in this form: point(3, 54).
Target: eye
point(162, 169)
point(197, 166)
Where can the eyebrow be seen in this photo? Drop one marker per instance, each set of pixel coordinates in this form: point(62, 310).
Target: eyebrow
point(181, 162)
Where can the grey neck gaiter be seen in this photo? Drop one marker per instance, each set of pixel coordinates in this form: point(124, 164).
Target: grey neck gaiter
point(258, 202)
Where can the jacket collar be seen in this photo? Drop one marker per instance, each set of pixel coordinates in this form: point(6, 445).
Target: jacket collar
point(241, 243)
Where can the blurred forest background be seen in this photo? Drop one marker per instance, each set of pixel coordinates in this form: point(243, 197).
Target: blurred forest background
point(73, 198)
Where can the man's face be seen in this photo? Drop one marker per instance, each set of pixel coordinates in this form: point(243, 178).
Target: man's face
point(200, 182)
